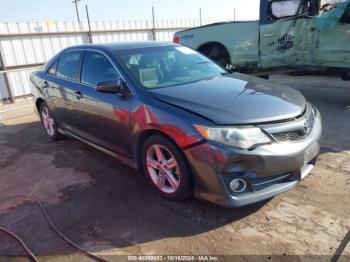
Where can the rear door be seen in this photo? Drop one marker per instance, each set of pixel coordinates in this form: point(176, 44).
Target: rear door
point(66, 92)
point(284, 32)
point(103, 117)
point(50, 87)
point(60, 86)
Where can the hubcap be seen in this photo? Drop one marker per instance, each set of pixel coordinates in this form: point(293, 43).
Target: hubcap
point(48, 121)
point(163, 169)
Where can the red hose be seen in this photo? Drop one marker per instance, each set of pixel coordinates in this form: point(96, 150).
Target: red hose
point(19, 240)
point(58, 232)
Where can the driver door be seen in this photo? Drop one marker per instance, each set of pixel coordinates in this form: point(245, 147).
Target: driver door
point(284, 33)
point(103, 118)
point(332, 34)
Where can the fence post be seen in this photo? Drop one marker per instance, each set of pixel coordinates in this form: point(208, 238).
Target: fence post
point(6, 81)
point(89, 25)
point(153, 25)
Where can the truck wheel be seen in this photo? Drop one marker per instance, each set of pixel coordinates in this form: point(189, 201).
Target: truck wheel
point(218, 53)
point(346, 76)
point(266, 77)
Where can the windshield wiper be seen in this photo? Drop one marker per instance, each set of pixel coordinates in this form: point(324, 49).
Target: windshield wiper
point(204, 62)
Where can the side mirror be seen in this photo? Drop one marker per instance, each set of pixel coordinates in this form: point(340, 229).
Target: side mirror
point(281, 9)
point(113, 86)
point(327, 20)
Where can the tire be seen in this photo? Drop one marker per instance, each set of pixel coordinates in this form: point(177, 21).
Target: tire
point(48, 122)
point(346, 76)
point(218, 53)
point(171, 179)
point(266, 77)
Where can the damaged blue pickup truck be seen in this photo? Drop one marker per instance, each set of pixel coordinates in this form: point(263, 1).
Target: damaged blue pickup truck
point(290, 35)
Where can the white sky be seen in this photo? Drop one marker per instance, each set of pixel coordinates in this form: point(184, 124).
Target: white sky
point(63, 10)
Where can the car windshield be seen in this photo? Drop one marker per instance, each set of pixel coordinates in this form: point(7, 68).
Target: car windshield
point(157, 67)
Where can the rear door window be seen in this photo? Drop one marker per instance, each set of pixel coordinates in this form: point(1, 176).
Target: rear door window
point(52, 70)
point(69, 64)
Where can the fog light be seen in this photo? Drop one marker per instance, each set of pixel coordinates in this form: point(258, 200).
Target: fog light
point(238, 185)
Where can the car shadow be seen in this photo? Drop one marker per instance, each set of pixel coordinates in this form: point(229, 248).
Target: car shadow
point(116, 209)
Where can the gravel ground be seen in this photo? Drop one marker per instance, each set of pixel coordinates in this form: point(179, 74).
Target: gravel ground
point(110, 209)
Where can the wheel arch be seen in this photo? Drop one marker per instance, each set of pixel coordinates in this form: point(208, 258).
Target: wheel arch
point(38, 103)
point(142, 139)
point(208, 43)
point(205, 45)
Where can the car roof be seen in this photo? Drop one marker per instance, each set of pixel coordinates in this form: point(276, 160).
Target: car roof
point(119, 46)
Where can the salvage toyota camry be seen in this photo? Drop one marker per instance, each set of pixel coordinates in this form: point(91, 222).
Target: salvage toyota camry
point(192, 127)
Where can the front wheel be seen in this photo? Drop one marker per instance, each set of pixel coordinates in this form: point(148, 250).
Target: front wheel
point(166, 168)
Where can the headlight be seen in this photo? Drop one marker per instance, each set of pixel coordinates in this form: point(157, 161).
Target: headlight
point(244, 138)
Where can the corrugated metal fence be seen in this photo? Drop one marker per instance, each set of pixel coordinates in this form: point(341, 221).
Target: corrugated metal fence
point(26, 46)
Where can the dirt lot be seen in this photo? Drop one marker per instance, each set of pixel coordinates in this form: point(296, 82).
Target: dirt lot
point(110, 209)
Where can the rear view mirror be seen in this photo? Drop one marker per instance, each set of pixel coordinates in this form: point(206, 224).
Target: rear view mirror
point(113, 86)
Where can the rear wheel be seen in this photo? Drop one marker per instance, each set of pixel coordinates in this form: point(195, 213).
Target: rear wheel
point(166, 168)
point(266, 77)
point(49, 123)
point(218, 53)
point(346, 76)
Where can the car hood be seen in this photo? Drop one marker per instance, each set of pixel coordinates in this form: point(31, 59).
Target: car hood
point(235, 99)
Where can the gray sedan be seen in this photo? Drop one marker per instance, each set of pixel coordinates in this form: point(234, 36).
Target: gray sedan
point(191, 126)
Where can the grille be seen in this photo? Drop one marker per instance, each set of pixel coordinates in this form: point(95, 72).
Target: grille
point(292, 136)
point(299, 134)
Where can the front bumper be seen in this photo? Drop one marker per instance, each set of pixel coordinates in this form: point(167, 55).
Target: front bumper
point(269, 170)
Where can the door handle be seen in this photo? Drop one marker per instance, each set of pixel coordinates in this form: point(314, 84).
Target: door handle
point(78, 95)
point(268, 35)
